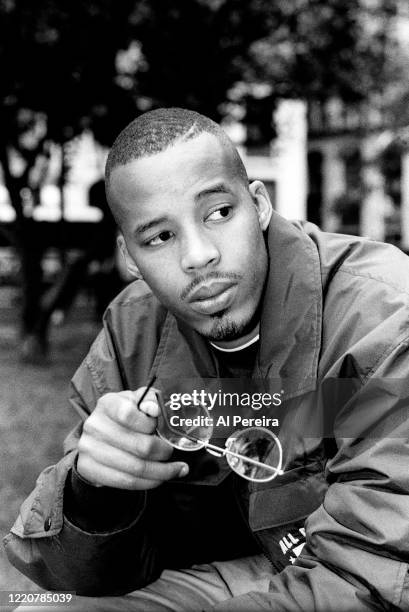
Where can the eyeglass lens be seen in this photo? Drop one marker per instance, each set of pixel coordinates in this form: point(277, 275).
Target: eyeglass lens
point(260, 454)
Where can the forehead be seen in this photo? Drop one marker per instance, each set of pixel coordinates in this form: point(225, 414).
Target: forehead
point(182, 170)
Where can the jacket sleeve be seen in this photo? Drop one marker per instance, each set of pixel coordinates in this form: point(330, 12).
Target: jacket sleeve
point(56, 554)
point(357, 542)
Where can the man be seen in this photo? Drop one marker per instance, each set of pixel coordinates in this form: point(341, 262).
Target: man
point(233, 291)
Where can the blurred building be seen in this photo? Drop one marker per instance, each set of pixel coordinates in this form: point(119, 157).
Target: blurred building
point(343, 167)
point(278, 157)
point(358, 172)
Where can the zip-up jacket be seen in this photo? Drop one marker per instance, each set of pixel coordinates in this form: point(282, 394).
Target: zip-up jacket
point(334, 336)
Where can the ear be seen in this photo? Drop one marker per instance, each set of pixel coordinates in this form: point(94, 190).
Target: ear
point(263, 203)
point(129, 262)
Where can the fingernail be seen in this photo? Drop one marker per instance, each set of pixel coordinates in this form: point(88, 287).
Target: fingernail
point(184, 470)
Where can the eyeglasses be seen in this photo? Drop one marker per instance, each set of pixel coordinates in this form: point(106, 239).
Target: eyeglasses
point(254, 453)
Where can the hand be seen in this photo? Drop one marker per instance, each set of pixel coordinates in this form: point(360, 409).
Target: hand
point(119, 448)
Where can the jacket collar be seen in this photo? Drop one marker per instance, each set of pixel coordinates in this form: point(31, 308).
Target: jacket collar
point(291, 319)
point(290, 327)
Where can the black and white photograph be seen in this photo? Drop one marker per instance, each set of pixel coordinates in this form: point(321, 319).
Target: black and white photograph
point(204, 305)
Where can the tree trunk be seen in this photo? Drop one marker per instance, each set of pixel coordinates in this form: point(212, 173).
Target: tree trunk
point(30, 252)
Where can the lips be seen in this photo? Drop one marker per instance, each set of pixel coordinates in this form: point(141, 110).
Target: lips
point(212, 297)
point(210, 290)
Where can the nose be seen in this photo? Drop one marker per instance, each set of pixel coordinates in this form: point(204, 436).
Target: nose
point(198, 251)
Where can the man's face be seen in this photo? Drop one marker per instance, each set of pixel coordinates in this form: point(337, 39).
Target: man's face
point(194, 231)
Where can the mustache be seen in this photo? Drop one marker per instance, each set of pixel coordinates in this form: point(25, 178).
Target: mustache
point(206, 277)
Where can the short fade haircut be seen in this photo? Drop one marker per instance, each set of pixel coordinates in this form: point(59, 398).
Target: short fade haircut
point(159, 129)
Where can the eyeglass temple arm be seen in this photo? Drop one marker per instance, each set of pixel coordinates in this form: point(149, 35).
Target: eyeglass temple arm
point(226, 451)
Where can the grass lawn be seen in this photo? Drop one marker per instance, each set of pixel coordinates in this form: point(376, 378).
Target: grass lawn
point(35, 416)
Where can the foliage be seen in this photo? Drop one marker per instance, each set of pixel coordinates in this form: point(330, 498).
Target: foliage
point(195, 49)
point(58, 57)
point(69, 60)
point(318, 49)
point(235, 59)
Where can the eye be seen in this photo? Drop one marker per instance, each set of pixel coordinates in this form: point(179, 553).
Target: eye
point(160, 239)
point(220, 213)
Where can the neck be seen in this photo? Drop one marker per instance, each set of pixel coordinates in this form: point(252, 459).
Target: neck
point(238, 342)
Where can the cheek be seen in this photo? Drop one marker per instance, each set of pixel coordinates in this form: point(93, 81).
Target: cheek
point(155, 269)
point(163, 275)
point(249, 246)
point(162, 280)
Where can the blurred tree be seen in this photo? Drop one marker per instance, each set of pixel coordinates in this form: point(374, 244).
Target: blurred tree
point(196, 49)
point(204, 53)
point(318, 49)
point(58, 77)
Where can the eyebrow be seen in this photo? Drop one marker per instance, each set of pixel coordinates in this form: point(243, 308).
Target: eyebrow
point(219, 188)
point(143, 227)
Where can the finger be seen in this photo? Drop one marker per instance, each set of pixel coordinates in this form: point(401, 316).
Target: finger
point(147, 446)
point(149, 405)
point(162, 471)
point(104, 429)
point(100, 474)
point(122, 409)
point(113, 457)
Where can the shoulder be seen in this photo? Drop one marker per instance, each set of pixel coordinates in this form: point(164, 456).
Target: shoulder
point(135, 305)
point(134, 323)
point(123, 352)
point(137, 291)
point(365, 299)
point(343, 256)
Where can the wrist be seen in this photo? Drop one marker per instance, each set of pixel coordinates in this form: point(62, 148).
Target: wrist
point(96, 508)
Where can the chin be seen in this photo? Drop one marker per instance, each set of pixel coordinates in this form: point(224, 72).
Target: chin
point(224, 328)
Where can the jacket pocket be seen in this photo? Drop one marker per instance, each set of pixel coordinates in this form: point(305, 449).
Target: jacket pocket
point(277, 514)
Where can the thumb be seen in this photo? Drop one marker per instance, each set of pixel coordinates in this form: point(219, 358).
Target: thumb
point(157, 470)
